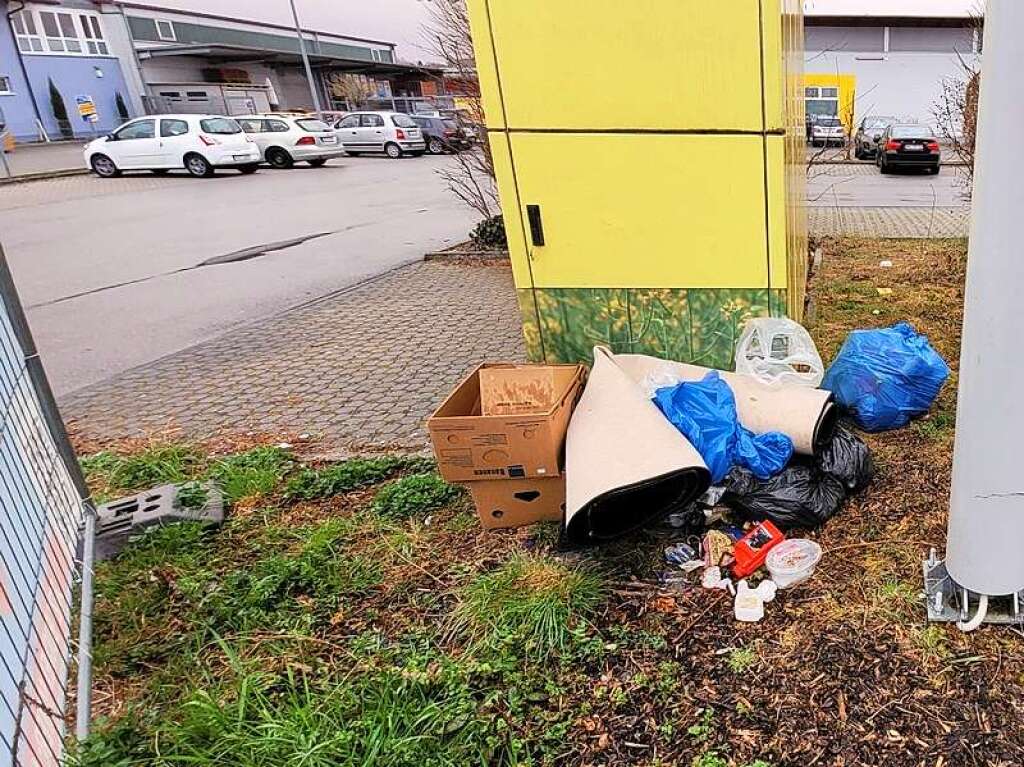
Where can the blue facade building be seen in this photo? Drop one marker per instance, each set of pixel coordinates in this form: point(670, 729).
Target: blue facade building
point(54, 55)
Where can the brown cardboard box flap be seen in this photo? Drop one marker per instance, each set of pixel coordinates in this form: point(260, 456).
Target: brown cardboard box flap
point(517, 390)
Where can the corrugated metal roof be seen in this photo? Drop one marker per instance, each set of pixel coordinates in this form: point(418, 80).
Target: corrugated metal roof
point(926, 9)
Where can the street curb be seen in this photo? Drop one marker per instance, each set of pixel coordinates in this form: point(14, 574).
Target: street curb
point(44, 176)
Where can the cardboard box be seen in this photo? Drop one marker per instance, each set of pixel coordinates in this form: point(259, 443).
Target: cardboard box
point(518, 502)
point(471, 447)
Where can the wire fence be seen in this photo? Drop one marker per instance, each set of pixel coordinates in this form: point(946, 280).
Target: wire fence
point(43, 504)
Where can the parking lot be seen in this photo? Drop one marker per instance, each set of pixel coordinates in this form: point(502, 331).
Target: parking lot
point(862, 185)
point(115, 273)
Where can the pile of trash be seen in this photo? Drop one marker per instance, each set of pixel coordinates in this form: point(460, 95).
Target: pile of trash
point(734, 460)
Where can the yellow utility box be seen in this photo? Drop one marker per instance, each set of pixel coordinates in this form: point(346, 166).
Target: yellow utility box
point(649, 157)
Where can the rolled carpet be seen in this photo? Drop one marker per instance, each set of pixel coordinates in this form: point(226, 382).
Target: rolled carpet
point(807, 416)
point(625, 463)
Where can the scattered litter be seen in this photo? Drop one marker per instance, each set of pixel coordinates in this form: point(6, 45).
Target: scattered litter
point(767, 590)
point(674, 580)
point(713, 579)
point(751, 550)
point(884, 291)
point(284, 446)
point(748, 606)
point(705, 412)
point(886, 377)
point(792, 562)
point(717, 548)
point(876, 311)
point(684, 556)
point(778, 351)
point(885, 264)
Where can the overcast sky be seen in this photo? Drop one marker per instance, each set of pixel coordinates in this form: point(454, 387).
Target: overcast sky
point(397, 21)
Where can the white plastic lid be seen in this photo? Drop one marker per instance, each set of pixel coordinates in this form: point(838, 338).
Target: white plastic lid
point(793, 555)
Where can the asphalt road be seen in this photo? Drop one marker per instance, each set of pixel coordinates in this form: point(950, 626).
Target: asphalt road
point(862, 185)
point(116, 273)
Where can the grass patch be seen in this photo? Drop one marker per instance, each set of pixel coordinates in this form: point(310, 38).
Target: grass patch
point(112, 475)
point(252, 474)
point(937, 426)
point(742, 659)
point(356, 474)
point(415, 495)
point(530, 607)
point(293, 590)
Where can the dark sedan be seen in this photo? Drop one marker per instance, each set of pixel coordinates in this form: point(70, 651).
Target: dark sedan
point(442, 134)
point(909, 146)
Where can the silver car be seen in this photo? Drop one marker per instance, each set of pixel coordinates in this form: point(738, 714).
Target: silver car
point(827, 130)
point(393, 133)
point(284, 140)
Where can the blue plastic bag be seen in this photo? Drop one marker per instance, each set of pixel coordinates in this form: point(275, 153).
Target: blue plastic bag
point(886, 377)
point(705, 412)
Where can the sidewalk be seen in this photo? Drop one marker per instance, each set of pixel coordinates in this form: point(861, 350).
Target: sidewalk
point(39, 159)
point(359, 370)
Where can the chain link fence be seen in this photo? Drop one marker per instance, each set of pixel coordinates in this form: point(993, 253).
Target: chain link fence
point(43, 507)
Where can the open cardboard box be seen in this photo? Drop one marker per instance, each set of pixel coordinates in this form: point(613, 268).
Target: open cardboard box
point(471, 447)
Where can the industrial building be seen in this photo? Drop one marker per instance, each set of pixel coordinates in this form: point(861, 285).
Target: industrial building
point(886, 57)
point(126, 58)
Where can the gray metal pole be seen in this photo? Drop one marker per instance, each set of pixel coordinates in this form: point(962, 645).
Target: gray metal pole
point(986, 514)
point(305, 61)
point(84, 701)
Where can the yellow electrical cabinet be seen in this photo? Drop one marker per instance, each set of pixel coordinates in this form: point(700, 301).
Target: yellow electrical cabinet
point(649, 158)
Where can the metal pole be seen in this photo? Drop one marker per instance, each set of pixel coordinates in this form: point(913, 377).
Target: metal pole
point(986, 515)
point(305, 61)
point(84, 701)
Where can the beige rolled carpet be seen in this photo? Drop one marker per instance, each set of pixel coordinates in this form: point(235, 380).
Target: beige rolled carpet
point(807, 416)
point(625, 463)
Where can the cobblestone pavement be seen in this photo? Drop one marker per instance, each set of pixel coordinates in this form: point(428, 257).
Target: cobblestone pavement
point(358, 370)
point(889, 222)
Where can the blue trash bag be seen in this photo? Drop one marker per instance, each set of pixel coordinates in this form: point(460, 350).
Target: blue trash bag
point(705, 412)
point(886, 377)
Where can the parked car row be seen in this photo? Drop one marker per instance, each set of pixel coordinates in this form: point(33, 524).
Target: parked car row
point(202, 144)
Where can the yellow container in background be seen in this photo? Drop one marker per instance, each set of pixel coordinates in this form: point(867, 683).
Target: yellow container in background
point(649, 158)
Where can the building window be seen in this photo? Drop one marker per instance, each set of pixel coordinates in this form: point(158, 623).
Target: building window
point(172, 96)
point(60, 33)
point(811, 93)
point(26, 32)
point(93, 34)
point(165, 30)
point(197, 95)
point(5, 86)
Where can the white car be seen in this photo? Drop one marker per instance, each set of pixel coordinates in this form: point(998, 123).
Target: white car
point(284, 139)
point(828, 130)
point(393, 133)
point(198, 143)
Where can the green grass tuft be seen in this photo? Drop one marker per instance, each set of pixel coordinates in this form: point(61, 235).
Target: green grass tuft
point(742, 659)
point(112, 475)
point(310, 484)
point(251, 474)
point(192, 496)
point(530, 606)
point(412, 496)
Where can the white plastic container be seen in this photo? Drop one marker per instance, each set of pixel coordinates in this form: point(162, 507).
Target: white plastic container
point(793, 561)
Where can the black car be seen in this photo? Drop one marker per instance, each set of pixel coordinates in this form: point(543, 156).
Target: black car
point(442, 134)
point(909, 146)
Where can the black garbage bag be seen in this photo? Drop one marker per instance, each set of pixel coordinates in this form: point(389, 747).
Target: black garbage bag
point(808, 492)
point(801, 496)
point(847, 459)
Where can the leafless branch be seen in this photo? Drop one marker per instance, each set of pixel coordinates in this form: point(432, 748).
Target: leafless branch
point(470, 176)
